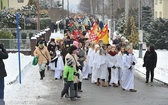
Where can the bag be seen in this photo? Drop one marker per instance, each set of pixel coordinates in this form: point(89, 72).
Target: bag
point(35, 61)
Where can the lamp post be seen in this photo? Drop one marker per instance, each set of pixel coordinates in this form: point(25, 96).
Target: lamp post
point(68, 7)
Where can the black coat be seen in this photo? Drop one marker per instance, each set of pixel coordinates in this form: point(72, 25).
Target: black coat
point(3, 55)
point(150, 59)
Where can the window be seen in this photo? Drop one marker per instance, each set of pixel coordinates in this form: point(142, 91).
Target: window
point(156, 2)
point(160, 14)
point(20, 1)
point(160, 1)
point(156, 14)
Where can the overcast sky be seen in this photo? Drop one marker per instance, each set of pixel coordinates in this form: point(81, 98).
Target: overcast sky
point(73, 5)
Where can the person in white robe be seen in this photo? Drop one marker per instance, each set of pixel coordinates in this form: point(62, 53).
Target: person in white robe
point(92, 57)
point(87, 68)
point(101, 64)
point(114, 67)
point(120, 64)
point(59, 65)
point(128, 70)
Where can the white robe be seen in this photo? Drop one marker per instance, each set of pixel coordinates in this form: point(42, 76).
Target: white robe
point(114, 72)
point(90, 60)
point(119, 65)
point(60, 66)
point(128, 75)
point(94, 78)
point(100, 66)
point(85, 70)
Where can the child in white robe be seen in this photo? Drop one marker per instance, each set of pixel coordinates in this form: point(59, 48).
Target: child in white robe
point(128, 70)
point(101, 64)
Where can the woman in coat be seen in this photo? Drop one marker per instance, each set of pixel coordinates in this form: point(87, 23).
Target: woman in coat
point(43, 57)
point(150, 60)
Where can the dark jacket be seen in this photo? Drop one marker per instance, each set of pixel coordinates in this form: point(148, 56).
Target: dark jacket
point(3, 55)
point(150, 59)
point(146, 58)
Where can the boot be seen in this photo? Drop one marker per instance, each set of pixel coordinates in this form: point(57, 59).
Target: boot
point(41, 75)
point(104, 84)
point(119, 83)
point(79, 87)
point(76, 94)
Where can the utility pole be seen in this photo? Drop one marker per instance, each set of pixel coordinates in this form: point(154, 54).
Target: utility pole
point(38, 16)
point(112, 15)
point(62, 4)
point(103, 10)
point(140, 29)
point(91, 7)
point(126, 10)
point(68, 7)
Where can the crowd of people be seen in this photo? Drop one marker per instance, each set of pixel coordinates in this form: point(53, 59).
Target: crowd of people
point(75, 58)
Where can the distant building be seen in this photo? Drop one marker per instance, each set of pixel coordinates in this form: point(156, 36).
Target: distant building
point(17, 3)
point(4, 4)
point(161, 9)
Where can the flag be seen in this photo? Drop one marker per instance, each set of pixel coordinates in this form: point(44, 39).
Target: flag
point(103, 35)
point(94, 32)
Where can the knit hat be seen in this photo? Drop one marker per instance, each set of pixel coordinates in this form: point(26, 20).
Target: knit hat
point(69, 61)
point(72, 48)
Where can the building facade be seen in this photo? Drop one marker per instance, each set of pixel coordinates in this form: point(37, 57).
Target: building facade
point(4, 4)
point(161, 9)
point(17, 3)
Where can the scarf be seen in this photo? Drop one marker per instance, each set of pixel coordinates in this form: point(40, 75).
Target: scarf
point(112, 53)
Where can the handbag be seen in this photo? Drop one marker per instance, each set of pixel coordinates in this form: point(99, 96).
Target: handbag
point(35, 61)
point(46, 58)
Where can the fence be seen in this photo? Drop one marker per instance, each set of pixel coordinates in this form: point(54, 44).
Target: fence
point(12, 44)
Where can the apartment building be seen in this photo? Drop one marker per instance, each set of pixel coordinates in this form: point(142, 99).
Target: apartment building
point(17, 3)
point(161, 8)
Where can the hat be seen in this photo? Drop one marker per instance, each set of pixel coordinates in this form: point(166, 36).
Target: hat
point(113, 46)
point(72, 48)
point(41, 43)
point(69, 61)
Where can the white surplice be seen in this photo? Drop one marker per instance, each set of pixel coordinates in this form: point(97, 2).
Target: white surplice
point(60, 66)
point(114, 72)
point(119, 65)
point(100, 66)
point(128, 74)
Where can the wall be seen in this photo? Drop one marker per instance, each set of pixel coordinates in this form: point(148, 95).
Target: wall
point(16, 5)
point(4, 4)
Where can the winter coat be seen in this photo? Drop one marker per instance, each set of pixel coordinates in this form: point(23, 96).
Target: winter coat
point(51, 47)
point(69, 73)
point(3, 55)
point(151, 60)
point(146, 57)
point(82, 56)
point(75, 61)
point(41, 58)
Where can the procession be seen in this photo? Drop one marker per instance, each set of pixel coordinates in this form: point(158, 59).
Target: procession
point(79, 56)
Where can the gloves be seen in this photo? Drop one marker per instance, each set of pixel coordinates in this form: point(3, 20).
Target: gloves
point(76, 74)
point(130, 68)
point(133, 63)
point(114, 67)
point(65, 80)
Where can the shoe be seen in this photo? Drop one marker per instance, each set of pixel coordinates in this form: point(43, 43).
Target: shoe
point(73, 99)
point(55, 78)
point(104, 84)
point(66, 96)
point(80, 91)
point(133, 90)
point(115, 85)
point(146, 82)
point(85, 79)
point(123, 89)
point(41, 78)
point(78, 96)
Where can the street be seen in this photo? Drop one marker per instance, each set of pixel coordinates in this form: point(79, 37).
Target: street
point(147, 94)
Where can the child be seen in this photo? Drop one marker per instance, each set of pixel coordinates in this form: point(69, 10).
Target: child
point(68, 76)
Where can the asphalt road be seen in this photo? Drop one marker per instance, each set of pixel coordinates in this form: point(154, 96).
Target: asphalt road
point(147, 94)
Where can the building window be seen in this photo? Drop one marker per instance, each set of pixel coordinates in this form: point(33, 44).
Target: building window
point(160, 1)
point(20, 1)
point(156, 2)
point(160, 14)
point(156, 14)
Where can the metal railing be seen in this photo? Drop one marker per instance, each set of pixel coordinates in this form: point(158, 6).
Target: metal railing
point(12, 44)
